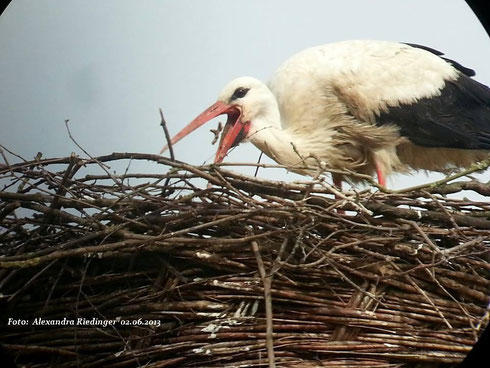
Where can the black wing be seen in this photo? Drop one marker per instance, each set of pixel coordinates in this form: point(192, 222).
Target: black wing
point(467, 71)
point(458, 118)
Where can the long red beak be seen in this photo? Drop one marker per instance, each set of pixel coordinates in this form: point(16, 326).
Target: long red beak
point(232, 134)
point(211, 112)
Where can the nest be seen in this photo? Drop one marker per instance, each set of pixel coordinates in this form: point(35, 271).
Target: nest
point(204, 267)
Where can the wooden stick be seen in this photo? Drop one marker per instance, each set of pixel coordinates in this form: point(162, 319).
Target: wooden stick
point(266, 280)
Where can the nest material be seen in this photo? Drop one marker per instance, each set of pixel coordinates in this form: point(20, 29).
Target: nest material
point(241, 273)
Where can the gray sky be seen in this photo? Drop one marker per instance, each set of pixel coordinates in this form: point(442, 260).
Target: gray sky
point(109, 65)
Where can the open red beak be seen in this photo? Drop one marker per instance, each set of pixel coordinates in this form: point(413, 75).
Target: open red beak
point(233, 132)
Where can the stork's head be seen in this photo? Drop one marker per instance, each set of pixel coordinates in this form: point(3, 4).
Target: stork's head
point(244, 100)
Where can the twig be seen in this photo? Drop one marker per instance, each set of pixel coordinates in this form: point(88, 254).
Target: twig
point(62, 189)
point(163, 124)
point(427, 240)
point(105, 167)
point(166, 192)
point(424, 294)
point(30, 281)
point(2, 148)
point(82, 279)
point(266, 280)
point(352, 283)
point(463, 246)
point(443, 209)
point(216, 133)
point(100, 163)
point(478, 166)
point(258, 164)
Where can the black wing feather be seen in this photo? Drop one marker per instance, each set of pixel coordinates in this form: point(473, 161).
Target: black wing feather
point(466, 71)
point(458, 118)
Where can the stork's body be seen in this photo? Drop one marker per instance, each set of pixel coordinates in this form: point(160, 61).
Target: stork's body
point(365, 106)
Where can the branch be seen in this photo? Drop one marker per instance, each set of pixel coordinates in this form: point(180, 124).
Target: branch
point(266, 280)
point(163, 123)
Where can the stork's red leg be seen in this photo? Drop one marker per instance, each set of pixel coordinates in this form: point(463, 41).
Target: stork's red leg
point(337, 181)
point(381, 176)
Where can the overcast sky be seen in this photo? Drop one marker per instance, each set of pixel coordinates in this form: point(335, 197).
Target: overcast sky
point(108, 66)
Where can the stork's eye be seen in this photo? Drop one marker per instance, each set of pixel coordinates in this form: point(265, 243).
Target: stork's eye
point(239, 93)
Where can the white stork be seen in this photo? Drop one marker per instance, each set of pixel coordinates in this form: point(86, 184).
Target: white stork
point(365, 106)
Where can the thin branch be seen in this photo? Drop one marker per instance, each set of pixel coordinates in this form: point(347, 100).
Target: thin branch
point(478, 166)
point(163, 124)
point(266, 280)
point(258, 164)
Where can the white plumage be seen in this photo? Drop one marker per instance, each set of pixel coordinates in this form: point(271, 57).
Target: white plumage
point(366, 106)
point(375, 74)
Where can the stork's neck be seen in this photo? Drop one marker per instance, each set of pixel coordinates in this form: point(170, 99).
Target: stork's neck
point(282, 145)
point(290, 147)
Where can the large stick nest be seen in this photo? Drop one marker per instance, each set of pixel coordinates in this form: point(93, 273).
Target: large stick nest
point(242, 272)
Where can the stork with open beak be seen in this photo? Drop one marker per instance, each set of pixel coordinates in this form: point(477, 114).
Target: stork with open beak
point(366, 106)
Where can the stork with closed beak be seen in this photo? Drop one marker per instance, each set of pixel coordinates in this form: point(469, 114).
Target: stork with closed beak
point(366, 106)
